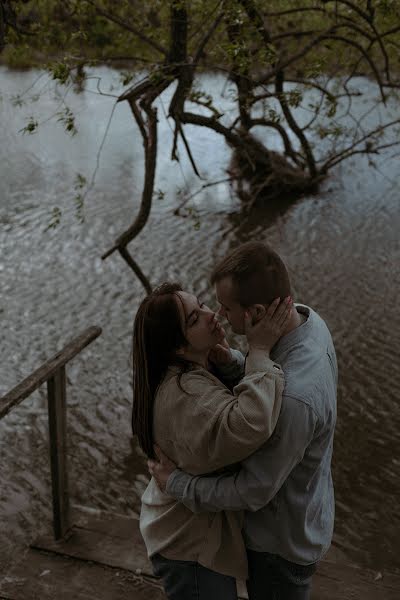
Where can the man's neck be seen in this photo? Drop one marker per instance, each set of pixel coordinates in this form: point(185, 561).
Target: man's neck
point(296, 320)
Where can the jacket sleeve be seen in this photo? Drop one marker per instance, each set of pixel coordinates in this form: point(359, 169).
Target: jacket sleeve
point(227, 427)
point(260, 476)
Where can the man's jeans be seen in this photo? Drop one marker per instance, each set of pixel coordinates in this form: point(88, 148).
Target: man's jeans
point(273, 578)
point(187, 580)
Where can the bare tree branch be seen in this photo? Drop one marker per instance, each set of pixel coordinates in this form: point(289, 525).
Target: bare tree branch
point(333, 160)
point(293, 124)
point(368, 59)
point(150, 148)
point(289, 150)
point(283, 64)
point(135, 268)
point(207, 38)
point(198, 191)
point(290, 11)
point(137, 32)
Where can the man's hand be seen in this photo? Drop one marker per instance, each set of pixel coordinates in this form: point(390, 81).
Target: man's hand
point(161, 469)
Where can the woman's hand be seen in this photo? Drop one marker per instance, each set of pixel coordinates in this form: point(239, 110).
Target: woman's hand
point(266, 332)
point(220, 355)
point(161, 468)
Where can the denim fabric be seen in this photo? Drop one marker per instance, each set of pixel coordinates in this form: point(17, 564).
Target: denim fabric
point(273, 578)
point(188, 580)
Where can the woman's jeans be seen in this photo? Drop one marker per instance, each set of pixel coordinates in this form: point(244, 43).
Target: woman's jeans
point(187, 580)
point(273, 578)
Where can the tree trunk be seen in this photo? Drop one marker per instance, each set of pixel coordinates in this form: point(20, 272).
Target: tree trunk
point(262, 175)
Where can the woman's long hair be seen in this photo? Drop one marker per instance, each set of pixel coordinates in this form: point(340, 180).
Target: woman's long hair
point(157, 335)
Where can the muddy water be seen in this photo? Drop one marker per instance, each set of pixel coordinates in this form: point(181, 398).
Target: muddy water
point(343, 251)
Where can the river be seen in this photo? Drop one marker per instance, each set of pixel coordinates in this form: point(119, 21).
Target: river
point(342, 248)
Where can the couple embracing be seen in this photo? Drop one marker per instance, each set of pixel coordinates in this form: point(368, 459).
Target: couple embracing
point(239, 448)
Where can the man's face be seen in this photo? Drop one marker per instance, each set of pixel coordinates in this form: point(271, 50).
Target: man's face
point(229, 307)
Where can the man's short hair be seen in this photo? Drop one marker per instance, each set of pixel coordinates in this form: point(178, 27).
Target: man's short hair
point(258, 274)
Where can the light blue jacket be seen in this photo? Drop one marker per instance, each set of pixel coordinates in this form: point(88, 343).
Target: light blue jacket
point(286, 486)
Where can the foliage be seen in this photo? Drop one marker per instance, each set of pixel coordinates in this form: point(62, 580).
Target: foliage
point(292, 63)
point(75, 28)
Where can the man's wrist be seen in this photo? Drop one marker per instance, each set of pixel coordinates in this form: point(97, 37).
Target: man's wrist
point(177, 483)
point(259, 346)
point(233, 366)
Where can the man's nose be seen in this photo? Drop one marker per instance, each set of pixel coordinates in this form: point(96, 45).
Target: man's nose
point(221, 312)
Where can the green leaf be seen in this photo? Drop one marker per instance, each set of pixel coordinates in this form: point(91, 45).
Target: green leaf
point(273, 116)
point(332, 104)
point(334, 131)
point(126, 77)
point(31, 126)
point(160, 194)
point(294, 98)
point(79, 201)
point(67, 118)
point(59, 71)
point(80, 181)
point(17, 100)
point(55, 218)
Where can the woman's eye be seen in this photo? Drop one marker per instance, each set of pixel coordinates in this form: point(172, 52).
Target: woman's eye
point(194, 320)
point(196, 316)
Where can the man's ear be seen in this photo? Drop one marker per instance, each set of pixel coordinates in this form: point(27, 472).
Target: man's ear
point(257, 311)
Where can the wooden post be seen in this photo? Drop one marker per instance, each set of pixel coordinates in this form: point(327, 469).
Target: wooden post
point(56, 394)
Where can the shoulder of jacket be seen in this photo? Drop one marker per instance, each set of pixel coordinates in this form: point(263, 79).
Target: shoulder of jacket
point(298, 403)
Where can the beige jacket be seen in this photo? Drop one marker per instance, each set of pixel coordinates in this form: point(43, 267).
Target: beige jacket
point(202, 429)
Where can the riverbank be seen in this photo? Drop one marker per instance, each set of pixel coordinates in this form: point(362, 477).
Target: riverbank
point(104, 554)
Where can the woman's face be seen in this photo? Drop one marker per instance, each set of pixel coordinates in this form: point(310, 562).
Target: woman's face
point(200, 325)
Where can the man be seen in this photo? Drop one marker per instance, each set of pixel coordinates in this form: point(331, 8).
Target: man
point(286, 486)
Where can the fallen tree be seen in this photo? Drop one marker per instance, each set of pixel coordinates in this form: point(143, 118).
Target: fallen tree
point(275, 59)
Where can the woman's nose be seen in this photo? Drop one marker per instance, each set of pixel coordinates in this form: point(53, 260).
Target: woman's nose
point(211, 314)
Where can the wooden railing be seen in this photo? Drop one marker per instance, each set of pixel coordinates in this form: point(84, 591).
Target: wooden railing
point(53, 372)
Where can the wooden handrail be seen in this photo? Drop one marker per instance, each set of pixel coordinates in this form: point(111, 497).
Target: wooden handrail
point(53, 372)
point(47, 370)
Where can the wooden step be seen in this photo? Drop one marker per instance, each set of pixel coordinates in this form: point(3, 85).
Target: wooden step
point(104, 558)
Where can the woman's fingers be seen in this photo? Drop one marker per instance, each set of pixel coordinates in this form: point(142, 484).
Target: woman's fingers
point(159, 453)
point(285, 317)
point(273, 307)
point(220, 354)
point(282, 313)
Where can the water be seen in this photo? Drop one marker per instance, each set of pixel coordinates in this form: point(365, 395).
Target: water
point(342, 248)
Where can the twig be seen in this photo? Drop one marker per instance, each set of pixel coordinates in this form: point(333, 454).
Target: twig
point(207, 38)
point(104, 13)
point(202, 188)
point(135, 268)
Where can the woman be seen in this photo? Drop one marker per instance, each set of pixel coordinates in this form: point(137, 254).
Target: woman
point(180, 404)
